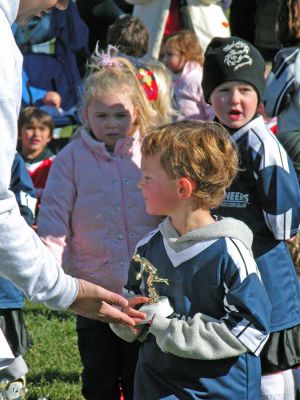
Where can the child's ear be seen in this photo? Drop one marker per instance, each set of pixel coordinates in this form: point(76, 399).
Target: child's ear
point(186, 187)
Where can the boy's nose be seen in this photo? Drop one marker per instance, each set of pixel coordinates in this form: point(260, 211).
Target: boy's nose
point(235, 96)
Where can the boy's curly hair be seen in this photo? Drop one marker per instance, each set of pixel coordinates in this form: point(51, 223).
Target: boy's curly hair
point(201, 151)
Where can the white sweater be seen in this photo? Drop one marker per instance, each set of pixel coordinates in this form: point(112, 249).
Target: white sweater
point(206, 18)
point(24, 259)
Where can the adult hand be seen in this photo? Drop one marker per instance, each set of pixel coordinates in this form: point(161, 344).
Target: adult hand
point(133, 303)
point(95, 302)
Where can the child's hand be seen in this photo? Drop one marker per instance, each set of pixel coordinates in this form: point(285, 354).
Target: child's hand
point(52, 99)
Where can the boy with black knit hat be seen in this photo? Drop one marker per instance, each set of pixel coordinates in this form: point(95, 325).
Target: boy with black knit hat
point(265, 195)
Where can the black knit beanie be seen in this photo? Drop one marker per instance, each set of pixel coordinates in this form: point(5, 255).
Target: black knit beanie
point(232, 59)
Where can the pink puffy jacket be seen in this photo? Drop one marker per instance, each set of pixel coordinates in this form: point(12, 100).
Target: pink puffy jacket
point(92, 213)
point(188, 94)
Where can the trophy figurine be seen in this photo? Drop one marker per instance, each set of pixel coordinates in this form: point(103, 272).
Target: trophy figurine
point(157, 304)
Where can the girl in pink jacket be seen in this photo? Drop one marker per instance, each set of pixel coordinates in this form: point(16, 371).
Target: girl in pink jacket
point(183, 56)
point(92, 214)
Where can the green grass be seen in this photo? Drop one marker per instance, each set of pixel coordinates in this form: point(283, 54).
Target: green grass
point(53, 361)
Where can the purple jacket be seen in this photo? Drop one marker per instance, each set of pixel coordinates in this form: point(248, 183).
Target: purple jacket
point(188, 95)
point(92, 214)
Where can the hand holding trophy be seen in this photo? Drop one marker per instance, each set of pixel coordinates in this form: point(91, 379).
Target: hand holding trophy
point(157, 304)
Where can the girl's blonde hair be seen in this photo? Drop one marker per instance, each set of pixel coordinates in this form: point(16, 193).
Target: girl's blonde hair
point(187, 44)
point(107, 74)
point(201, 151)
point(164, 103)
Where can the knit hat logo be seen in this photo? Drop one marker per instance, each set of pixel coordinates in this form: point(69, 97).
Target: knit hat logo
point(232, 59)
point(238, 55)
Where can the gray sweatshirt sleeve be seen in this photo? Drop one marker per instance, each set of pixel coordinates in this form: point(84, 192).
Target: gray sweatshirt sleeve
point(199, 338)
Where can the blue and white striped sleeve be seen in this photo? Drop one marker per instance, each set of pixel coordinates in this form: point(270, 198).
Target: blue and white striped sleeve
point(246, 300)
point(280, 83)
point(277, 184)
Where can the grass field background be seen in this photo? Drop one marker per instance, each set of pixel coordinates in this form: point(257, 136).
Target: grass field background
point(53, 361)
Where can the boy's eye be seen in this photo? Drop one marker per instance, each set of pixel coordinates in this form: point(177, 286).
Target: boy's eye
point(245, 89)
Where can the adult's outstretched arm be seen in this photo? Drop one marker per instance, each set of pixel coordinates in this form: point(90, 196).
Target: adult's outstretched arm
point(95, 302)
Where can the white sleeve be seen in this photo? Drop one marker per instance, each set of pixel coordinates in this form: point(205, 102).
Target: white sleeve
point(24, 259)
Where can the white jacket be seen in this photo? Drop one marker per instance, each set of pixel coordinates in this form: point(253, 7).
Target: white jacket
point(24, 259)
point(207, 18)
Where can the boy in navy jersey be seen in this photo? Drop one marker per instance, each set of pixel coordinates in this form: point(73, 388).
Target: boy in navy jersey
point(265, 195)
point(208, 348)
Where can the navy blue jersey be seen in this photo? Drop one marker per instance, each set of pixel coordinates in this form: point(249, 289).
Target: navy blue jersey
point(218, 278)
point(21, 185)
point(266, 196)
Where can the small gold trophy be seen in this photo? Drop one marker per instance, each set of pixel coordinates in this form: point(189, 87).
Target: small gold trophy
point(157, 304)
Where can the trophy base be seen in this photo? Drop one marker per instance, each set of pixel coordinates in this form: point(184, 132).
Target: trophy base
point(163, 308)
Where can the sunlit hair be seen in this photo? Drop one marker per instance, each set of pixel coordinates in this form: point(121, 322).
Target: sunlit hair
point(163, 105)
point(187, 44)
point(288, 22)
point(117, 76)
point(31, 114)
point(294, 247)
point(201, 151)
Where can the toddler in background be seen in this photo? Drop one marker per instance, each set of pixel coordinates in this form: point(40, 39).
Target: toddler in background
point(35, 133)
point(208, 348)
point(183, 56)
point(93, 214)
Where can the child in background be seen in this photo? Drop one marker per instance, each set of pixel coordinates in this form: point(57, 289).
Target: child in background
point(130, 35)
point(93, 214)
point(35, 132)
point(183, 55)
point(265, 195)
point(12, 299)
point(208, 348)
point(282, 93)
